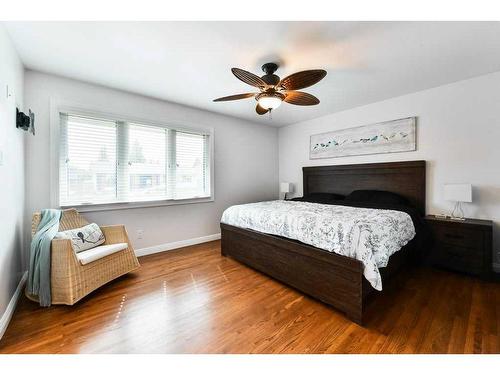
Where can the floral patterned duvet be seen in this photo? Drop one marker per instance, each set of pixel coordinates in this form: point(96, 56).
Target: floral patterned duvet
point(367, 234)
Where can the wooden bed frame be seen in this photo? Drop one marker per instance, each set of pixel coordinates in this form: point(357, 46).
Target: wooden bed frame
point(334, 279)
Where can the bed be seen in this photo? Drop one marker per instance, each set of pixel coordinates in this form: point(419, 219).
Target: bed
point(332, 278)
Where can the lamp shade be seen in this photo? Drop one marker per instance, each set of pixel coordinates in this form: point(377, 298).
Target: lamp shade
point(286, 187)
point(458, 192)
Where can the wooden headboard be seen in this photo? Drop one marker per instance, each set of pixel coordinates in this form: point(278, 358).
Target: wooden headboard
point(406, 178)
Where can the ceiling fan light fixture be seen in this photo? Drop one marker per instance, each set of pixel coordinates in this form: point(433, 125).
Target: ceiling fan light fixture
point(270, 101)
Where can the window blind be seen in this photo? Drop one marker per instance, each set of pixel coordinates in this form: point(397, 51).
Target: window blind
point(190, 179)
point(105, 161)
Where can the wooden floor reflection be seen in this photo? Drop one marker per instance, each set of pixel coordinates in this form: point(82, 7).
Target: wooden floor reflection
point(195, 301)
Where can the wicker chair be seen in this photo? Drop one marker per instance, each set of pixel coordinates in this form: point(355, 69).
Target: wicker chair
point(70, 280)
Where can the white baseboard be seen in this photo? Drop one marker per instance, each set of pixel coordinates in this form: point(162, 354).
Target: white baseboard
point(7, 315)
point(175, 245)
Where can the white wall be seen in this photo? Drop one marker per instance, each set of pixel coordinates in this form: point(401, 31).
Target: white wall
point(458, 133)
point(12, 147)
point(246, 159)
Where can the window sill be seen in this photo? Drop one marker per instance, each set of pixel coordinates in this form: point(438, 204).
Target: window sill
point(131, 205)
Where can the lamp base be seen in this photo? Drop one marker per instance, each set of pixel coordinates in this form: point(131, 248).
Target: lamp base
point(458, 212)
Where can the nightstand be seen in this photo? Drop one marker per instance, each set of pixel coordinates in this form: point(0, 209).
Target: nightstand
point(464, 246)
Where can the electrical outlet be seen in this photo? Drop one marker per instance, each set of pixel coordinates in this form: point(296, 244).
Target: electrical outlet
point(140, 234)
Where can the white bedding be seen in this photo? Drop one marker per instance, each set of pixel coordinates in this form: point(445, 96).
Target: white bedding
point(367, 234)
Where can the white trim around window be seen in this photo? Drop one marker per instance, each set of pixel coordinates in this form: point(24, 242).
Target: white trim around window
point(61, 106)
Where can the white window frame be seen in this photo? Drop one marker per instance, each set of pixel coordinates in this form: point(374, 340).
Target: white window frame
point(58, 106)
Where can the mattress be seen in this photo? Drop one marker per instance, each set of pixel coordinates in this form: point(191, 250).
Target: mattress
point(370, 235)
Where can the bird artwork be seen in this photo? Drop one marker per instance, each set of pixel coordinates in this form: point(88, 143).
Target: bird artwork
point(389, 136)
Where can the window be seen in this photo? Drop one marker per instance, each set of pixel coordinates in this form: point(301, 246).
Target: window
point(105, 161)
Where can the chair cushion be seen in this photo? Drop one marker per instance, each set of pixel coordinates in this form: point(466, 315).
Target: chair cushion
point(83, 238)
point(99, 252)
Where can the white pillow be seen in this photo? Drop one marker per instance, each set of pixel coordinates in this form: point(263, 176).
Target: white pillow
point(84, 238)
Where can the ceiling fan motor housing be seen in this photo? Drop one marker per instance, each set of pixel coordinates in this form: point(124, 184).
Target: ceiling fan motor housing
point(270, 78)
point(270, 93)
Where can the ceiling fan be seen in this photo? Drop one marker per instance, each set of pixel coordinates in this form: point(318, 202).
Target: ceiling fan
point(274, 91)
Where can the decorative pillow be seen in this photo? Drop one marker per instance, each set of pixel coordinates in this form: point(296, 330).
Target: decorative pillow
point(84, 238)
point(376, 196)
point(359, 196)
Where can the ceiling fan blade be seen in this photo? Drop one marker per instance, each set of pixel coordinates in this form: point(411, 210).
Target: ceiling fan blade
point(300, 98)
point(302, 79)
point(234, 97)
point(248, 78)
point(260, 110)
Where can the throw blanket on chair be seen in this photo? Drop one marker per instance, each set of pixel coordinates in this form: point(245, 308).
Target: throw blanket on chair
point(40, 257)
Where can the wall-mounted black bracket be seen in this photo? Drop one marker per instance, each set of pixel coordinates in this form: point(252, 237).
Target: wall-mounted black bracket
point(25, 121)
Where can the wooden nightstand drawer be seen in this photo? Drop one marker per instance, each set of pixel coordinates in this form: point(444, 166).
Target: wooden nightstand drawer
point(459, 236)
point(463, 246)
point(459, 258)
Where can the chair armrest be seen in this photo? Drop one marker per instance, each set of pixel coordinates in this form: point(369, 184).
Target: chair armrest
point(115, 234)
point(62, 245)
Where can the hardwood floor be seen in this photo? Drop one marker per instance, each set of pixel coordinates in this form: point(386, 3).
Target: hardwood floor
point(195, 301)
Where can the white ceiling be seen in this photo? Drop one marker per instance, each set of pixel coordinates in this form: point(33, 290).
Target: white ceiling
point(189, 62)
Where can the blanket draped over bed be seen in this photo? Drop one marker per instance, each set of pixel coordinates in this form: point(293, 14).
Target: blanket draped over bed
point(366, 234)
point(40, 256)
